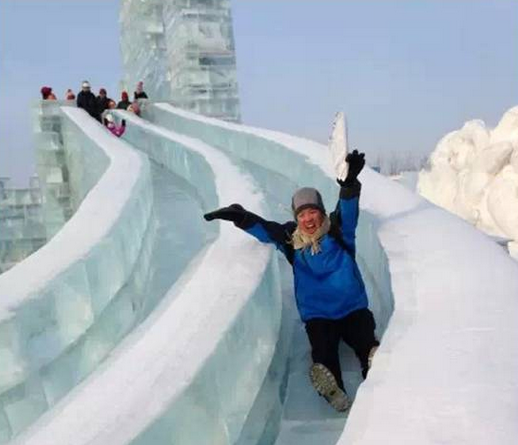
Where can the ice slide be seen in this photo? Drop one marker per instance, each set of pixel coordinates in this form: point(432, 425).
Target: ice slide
point(196, 331)
point(208, 365)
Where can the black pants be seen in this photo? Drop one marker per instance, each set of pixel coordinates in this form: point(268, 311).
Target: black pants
point(356, 330)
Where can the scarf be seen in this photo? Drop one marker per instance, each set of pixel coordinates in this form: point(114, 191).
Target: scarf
point(301, 240)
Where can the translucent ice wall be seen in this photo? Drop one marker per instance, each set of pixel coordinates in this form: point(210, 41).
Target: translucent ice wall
point(54, 327)
point(22, 227)
point(216, 329)
point(28, 217)
point(184, 52)
point(143, 47)
point(51, 164)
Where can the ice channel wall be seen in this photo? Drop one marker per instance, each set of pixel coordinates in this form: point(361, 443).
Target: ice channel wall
point(446, 356)
point(202, 355)
point(56, 317)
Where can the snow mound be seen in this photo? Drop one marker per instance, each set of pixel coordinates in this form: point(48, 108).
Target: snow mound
point(474, 174)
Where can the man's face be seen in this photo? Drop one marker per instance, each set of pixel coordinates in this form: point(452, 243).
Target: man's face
point(310, 220)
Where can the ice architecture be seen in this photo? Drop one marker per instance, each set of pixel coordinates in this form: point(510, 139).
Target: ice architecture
point(474, 174)
point(21, 220)
point(51, 165)
point(211, 363)
point(184, 52)
point(29, 217)
point(56, 322)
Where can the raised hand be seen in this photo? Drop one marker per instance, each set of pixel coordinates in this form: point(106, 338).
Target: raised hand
point(356, 163)
point(235, 213)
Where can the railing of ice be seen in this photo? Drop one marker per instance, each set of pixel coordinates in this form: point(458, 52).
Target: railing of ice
point(202, 355)
point(56, 316)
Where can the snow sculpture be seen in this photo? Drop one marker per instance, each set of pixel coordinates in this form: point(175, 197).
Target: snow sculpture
point(183, 50)
point(474, 174)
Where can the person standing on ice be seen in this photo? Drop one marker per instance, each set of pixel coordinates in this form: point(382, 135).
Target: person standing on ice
point(103, 101)
point(139, 93)
point(87, 101)
point(329, 289)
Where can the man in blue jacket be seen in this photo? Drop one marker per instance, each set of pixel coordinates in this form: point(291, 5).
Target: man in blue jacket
point(329, 289)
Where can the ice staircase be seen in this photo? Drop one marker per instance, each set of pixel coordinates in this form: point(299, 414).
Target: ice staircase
point(140, 323)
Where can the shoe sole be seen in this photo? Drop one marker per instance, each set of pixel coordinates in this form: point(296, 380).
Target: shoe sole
point(325, 383)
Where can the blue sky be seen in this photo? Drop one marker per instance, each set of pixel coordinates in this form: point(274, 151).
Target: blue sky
point(405, 71)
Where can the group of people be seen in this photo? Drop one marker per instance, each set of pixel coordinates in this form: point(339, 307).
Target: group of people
point(95, 106)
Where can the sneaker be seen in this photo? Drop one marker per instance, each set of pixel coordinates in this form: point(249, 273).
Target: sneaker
point(325, 383)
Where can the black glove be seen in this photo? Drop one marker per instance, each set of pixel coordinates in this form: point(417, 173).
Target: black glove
point(356, 163)
point(235, 213)
point(123, 122)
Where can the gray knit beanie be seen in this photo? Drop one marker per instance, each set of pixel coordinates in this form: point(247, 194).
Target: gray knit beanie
point(306, 197)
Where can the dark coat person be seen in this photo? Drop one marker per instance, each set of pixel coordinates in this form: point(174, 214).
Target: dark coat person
point(87, 101)
point(103, 101)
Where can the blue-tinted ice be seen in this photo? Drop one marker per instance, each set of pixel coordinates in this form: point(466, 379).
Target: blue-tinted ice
point(247, 402)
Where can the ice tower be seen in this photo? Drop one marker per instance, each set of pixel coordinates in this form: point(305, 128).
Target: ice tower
point(183, 50)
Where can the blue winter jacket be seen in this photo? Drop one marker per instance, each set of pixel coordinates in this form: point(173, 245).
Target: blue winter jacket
point(328, 284)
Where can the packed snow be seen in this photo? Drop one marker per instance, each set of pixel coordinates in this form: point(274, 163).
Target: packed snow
point(474, 174)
